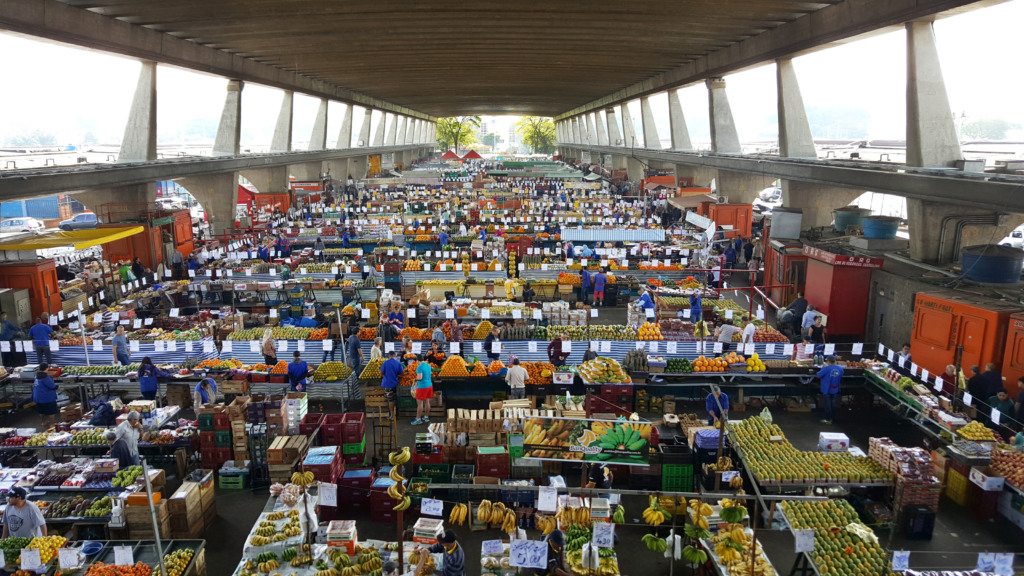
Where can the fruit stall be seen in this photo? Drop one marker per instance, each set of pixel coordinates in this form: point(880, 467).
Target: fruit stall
point(104, 557)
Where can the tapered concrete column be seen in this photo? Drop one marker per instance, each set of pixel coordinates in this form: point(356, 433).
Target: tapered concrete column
point(634, 169)
point(614, 135)
point(392, 129)
point(592, 128)
point(137, 194)
point(795, 139)
point(575, 130)
point(364, 130)
point(268, 180)
point(724, 138)
point(345, 132)
point(677, 123)
point(318, 139)
point(419, 132)
point(229, 131)
point(307, 171)
point(651, 138)
point(629, 135)
point(586, 137)
point(378, 134)
point(931, 133)
point(400, 138)
point(139, 141)
point(337, 169)
point(282, 140)
point(432, 140)
point(700, 175)
point(218, 193)
point(357, 167)
point(410, 125)
point(602, 130)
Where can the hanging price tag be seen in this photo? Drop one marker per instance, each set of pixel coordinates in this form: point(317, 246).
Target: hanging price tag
point(124, 556)
point(328, 494)
point(30, 559)
point(900, 560)
point(547, 501)
point(857, 349)
point(431, 507)
point(492, 547)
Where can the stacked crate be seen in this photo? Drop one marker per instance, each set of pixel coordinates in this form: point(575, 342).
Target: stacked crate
point(353, 487)
point(140, 521)
point(214, 435)
point(493, 461)
point(239, 440)
point(353, 438)
point(676, 467)
point(185, 508)
point(297, 404)
point(381, 505)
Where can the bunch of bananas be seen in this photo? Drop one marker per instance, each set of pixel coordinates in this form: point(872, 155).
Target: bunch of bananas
point(488, 513)
point(339, 558)
point(266, 530)
point(288, 554)
point(570, 515)
point(268, 566)
point(328, 572)
point(508, 525)
point(259, 541)
point(429, 566)
point(303, 479)
point(397, 490)
point(291, 530)
point(654, 514)
point(545, 523)
point(279, 515)
point(655, 543)
point(458, 514)
point(761, 567)
point(699, 513)
point(619, 517)
point(301, 560)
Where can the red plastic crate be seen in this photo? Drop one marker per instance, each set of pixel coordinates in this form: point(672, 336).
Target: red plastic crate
point(355, 459)
point(277, 379)
point(207, 439)
point(330, 430)
point(386, 516)
point(329, 513)
point(310, 423)
point(221, 421)
point(494, 471)
point(436, 458)
point(616, 390)
point(353, 503)
point(486, 460)
point(257, 377)
point(353, 426)
point(363, 483)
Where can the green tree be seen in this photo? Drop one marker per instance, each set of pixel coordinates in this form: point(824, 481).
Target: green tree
point(491, 139)
point(988, 128)
point(35, 138)
point(456, 131)
point(538, 133)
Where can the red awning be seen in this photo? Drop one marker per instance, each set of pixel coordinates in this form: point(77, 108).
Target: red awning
point(472, 155)
point(449, 155)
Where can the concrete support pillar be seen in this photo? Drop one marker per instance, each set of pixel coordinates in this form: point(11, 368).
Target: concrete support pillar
point(282, 140)
point(677, 123)
point(400, 135)
point(419, 132)
point(229, 131)
point(337, 168)
point(218, 193)
point(318, 139)
point(392, 130)
point(139, 141)
point(700, 175)
point(724, 138)
point(345, 132)
point(432, 140)
point(357, 167)
point(651, 138)
point(378, 134)
point(795, 140)
point(364, 130)
point(137, 194)
point(816, 201)
point(575, 130)
point(592, 128)
point(268, 180)
point(931, 133)
point(586, 131)
point(634, 169)
point(740, 187)
point(614, 135)
point(602, 130)
point(629, 136)
point(409, 130)
point(934, 228)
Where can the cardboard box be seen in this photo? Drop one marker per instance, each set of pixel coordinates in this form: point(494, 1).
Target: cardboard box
point(986, 478)
point(668, 407)
point(833, 441)
point(186, 502)
point(691, 432)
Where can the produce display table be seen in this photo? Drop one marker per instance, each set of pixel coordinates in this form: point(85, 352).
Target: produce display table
point(76, 355)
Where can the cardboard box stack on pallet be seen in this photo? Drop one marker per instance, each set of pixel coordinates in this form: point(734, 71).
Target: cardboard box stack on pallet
point(192, 509)
point(283, 456)
point(137, 514)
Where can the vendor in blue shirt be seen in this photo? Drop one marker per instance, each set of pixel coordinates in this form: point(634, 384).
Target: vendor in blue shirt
point(443, 238)
point(344, 239)
point(483, 234)
point(831, 375)
point(297, 372)
point(40, 334)
point(148, 375)
point(695, 308)
point(397, 318)
point(645, 300)
point(586, 252)
point(390, 371)
point(205, 392)
point(711, 405)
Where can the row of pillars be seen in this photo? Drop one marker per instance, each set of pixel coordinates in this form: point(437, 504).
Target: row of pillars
point(932, 141)
point(218, 193)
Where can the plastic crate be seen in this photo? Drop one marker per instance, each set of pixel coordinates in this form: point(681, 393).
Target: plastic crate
point(233, 481)
point(435, 457)
point(206, 422)
point(514, 494)
point(354, 459)
point(353, 427)
point(463, 473)
point(675, 454)
point(677, 483)
point(221, 421)
point(310, 423)
point(437, 473)
point(490, 456)
point(354, 448)
point(416, 498)
point(222, 438)
point(330, 430)
point(207, 438)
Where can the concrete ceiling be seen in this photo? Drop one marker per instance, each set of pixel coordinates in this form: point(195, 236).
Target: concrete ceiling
point(452, 58)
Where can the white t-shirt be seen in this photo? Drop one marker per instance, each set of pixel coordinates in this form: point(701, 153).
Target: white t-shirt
point(748, 332)
point(26, 522)
point(726, 331)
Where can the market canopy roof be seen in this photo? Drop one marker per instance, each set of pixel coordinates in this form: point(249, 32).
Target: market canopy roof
point(472, 155)
point(449, 155)
point(79, 239)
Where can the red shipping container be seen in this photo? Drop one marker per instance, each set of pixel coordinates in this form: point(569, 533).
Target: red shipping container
point(1013, 356)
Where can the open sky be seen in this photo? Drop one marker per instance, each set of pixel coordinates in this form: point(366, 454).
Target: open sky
point(71, 92)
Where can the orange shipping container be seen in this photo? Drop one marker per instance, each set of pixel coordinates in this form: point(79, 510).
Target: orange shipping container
point(948, 325)
point(39, 278)
point(1013, 356)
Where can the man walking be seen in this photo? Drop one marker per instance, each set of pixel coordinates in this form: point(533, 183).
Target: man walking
point(40, 333)
point(830, 377)
point(516, 378)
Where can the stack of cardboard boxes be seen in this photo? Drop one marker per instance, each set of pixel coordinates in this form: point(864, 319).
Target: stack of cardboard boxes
point(191, 508)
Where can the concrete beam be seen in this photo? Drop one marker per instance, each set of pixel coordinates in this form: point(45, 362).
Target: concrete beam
point(318, 139)
point(59, 21)
point(724, 138)
point(363, 141)
point(795, 139)
point(650, 128)
point(271, 180)
point(135, 194)
point(614, 134)
point(839, 22)
point(677, 122)
point(282, 140)
point(345, 132)
point(218, 193)
point(229, 131)
point(816, 201)
point(139, 141)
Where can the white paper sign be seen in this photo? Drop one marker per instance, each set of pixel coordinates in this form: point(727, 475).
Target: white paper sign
point(769, 348)
point(496, 347)
point(528, 554)
point(830, 349)
point(207, 346)
point(68, 558)
point(604, 534)
point(485, 313)
point(492, 547)
point(538, 314)
point(123, 556)
point(431, 507)
point(881, 350)
point(986, 562)
point(173, 313)
point(454, 347)
point(389, 346)
point(890, 354)
point(328, 494)
point(913, 368)
point(1004, 564)
point(686, 313)
point(548, 499)
point(995, 415)
point(593, 312)
point(924, 374)
point(653, 346)
point(857, 349)
point(804, 540)
point(718, 347)
point(900, 560)
point(787, 349)
point(30, 559)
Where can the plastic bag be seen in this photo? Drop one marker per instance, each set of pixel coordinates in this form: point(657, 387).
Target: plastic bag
point(766, 415)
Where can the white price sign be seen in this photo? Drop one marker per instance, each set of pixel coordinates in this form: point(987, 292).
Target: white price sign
point(431, 507)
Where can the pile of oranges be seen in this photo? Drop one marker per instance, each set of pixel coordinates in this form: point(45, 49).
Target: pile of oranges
point(734, 358)
point(280, 368)
point(495, 367)
point(540, 372)
point(318, 334)
point(408, 377)
point(478, 370)
point(454, 367)
point(658, 266)
point(703, 364)
point(649, 331)
point(569, 279)
point(367, 334)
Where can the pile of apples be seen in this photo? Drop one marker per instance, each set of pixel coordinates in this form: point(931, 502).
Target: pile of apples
point(1009, 464)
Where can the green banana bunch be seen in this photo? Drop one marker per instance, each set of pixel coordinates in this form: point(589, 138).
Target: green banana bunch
point(619, 517)
point(655, 543)
point(695, 555)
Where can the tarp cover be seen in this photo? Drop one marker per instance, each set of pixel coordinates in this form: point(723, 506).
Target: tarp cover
point(79, 239)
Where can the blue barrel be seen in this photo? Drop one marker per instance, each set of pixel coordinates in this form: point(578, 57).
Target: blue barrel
point(992, 263)
point(880, 227)
point(849, 216)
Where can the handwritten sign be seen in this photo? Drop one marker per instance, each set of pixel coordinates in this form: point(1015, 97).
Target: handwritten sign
point(528, 554)
point(548, 499)
point(30, 559)
point(431, 507)
point(900, 560)
point(123, 556)
point(328, 494)
point(69, 559)
point(604, 534)
point(804, 540)
point(492, 547)
point(857, 349)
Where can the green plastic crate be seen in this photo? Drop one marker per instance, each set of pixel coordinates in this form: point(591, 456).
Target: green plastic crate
point(416, 498)
point(677, 483)
point(222, 438)
point(354, 448)
point(233, 482)
point(206, 422)
point(405, 403)
point(515, 452)
point(440, 473)
point(677, 470)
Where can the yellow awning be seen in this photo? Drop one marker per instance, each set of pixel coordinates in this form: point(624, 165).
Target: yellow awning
point(79, 239)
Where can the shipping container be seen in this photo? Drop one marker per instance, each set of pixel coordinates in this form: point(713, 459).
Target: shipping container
point(785, 268)
point(950, 326)
point(40, 208)
point(39, 277)
point(1013, 356)
point(839, 287)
